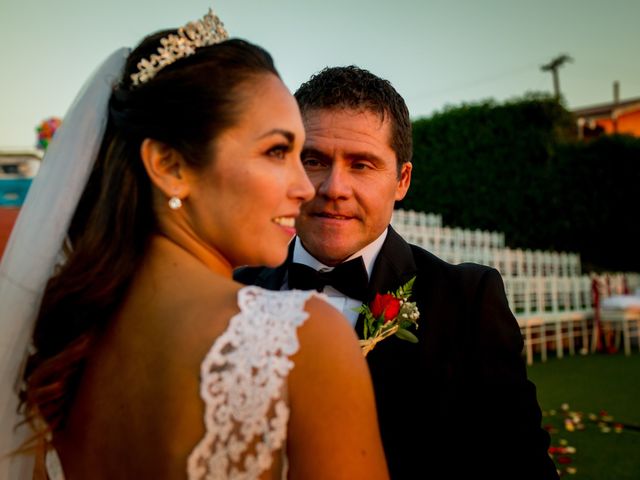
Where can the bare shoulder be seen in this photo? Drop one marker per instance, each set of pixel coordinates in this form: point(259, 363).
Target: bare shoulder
point(327, 332)
point(338, 436)
point(328, 346)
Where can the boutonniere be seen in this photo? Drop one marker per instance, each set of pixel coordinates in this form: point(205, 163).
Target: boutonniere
point(389, 314)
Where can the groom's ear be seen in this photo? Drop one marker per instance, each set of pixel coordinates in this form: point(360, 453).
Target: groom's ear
point(166, 168)
point(404, 181)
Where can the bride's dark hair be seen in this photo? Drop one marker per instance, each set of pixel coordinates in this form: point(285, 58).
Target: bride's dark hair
point(186, 106)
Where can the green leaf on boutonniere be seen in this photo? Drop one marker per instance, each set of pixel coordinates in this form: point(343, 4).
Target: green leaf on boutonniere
point(406, 335)
point(405, 290)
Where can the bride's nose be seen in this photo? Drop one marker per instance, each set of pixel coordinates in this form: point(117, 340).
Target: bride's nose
point(301, 187)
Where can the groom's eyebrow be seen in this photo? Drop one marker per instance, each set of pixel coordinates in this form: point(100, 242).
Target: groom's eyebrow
point(362, 156)
point(351, 156)
point(315, 153)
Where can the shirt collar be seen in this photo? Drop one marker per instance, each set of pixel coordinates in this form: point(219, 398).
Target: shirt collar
point(368, 254)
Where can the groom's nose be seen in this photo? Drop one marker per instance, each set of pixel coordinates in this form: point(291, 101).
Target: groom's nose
point(336, 183)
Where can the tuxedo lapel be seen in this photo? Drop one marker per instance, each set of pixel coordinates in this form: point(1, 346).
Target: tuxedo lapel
point(393, 267)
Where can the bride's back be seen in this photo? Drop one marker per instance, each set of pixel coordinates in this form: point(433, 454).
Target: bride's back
point(138, 412)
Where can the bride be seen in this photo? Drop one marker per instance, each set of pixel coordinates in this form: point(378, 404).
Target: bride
point(145, 359)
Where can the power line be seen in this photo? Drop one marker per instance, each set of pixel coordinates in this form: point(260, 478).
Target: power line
point(473, 83)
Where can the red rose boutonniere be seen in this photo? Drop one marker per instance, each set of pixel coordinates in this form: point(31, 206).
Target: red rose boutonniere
point(389, 314)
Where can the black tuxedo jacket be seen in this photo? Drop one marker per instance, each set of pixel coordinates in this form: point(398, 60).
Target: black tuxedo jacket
point(458, 403)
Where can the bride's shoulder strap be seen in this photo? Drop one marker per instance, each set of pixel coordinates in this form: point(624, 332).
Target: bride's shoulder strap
point(243, 386)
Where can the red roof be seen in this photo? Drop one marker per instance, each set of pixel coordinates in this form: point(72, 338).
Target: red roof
point(606, 109)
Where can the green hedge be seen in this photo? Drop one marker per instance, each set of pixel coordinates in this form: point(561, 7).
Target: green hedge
point(518, 168)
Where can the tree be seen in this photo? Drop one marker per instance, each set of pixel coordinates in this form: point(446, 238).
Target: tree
point(519, 168)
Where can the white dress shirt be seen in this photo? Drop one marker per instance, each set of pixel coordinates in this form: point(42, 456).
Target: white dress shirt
point(348, 306)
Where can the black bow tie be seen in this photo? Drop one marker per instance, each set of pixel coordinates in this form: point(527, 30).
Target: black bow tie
point(349, 278)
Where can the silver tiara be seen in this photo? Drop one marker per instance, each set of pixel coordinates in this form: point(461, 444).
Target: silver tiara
point(208, 31)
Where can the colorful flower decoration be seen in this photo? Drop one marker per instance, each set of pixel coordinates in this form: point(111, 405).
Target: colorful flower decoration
point(46, 130)
point(572, 421)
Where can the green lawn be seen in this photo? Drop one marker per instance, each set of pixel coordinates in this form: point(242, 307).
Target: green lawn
point(600, 385)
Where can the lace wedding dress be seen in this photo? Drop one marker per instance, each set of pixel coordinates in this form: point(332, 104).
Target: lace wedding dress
point(243, 383)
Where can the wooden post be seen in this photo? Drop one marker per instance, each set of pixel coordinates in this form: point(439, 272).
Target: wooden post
point(614, 110)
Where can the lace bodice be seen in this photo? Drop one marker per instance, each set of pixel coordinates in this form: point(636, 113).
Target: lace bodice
point(243, 383)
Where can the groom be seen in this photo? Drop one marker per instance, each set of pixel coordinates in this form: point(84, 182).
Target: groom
point(457, 404)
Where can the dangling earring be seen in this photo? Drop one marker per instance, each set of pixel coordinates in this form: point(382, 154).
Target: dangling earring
point(175, 203)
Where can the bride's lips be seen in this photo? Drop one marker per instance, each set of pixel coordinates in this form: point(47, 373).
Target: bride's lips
point(287, 223)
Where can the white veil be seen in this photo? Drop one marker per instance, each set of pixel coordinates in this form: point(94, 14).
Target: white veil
point(36, 242)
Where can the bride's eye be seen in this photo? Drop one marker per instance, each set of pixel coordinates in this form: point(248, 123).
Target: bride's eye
point(279, 151)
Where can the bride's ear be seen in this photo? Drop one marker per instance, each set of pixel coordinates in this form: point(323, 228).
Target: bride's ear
point(166, 168)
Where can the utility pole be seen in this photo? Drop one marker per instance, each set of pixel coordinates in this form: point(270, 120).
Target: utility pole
point(553, 67)
point(616, 102)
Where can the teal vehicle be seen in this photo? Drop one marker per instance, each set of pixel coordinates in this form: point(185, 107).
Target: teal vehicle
point(17, 170)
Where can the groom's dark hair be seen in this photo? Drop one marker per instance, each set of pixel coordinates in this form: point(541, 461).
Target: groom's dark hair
point(354, 88)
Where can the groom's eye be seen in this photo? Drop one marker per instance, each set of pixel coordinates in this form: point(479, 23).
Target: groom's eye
point(312, 162)
point(359, 165)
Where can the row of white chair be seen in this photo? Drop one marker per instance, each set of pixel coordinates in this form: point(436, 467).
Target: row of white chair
point(527, 263)
point(457, 245)
point(551, 310)
point(509, 262)
point(561, 310)
point(552, 296)
point(414, 218)
point(551, 299)
point(437, 237)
